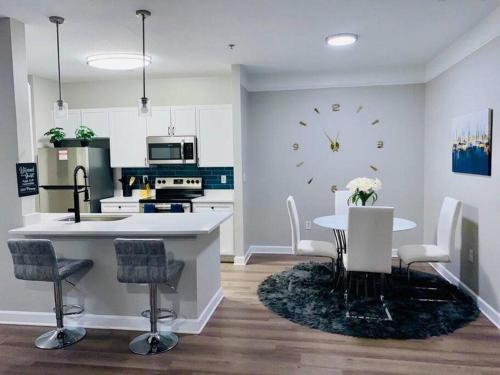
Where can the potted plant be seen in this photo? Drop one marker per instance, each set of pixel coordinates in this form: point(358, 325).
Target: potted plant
point(56, 136)
point(85, 135)
point(362, 189)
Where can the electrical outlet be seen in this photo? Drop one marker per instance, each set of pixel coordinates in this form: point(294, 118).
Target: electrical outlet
point(223, 179)
point(471, 255)
point(308, 225)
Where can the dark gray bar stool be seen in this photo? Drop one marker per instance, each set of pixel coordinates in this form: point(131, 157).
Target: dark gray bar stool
point(144, 261)
point(35, 260)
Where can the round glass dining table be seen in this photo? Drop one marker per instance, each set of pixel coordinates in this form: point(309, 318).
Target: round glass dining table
point(339, 222)
point(339, 225)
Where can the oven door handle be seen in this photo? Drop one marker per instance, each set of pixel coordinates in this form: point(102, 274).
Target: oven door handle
point(182, 150)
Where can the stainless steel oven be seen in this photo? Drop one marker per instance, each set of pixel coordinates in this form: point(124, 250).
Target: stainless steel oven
point(173, 195)
point(172, 150)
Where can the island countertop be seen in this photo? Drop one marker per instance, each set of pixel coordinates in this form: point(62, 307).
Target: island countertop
point(160, 224)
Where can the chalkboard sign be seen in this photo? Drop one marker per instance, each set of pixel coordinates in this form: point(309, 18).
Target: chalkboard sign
point(27, 179)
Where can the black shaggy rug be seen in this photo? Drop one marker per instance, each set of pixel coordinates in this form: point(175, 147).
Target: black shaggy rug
point(302, 295)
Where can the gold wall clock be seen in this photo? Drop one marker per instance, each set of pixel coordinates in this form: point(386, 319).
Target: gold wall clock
point(334, 142)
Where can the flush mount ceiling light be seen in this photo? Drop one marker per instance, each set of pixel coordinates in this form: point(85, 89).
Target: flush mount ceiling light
point(338, 40)
point(118, 61)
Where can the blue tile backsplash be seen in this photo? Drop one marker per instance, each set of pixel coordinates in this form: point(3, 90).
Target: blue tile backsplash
point(211, 176)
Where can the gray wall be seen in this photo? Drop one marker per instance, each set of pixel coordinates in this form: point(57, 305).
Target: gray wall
point(44, 94)
point(471, 85)
point(14, 115)
point(272, 174)
point(161, 91)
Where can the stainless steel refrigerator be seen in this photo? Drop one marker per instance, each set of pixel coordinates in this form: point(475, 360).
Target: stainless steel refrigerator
point(55, 177)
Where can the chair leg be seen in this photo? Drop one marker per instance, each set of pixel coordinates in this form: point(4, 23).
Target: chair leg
point(382, 296)
point(61, 336)
point(346, 293)
point(153, 342)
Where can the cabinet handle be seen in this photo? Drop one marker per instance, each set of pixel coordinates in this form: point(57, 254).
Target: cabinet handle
point(119, 207)
point(169, 130)
point(213, 208)
point(145, 162)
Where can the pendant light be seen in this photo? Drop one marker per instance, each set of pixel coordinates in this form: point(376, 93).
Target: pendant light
point(60, 107)
point(144, 103)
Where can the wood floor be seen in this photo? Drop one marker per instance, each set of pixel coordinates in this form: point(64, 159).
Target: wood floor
point(243, 337)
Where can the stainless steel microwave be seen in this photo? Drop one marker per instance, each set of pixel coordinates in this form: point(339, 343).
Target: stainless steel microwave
point(172, 150)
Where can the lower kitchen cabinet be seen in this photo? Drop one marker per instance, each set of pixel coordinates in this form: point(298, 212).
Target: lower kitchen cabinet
point(125, 207)
point(226, 228)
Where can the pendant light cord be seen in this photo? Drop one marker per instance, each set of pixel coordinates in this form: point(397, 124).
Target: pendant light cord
point(58, 62)
point(143, 57)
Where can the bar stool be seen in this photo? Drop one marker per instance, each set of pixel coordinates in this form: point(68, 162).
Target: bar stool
point(144, 261)
point(35, 260)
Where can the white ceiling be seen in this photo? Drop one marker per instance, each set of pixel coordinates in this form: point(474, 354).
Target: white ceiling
point(187, 37)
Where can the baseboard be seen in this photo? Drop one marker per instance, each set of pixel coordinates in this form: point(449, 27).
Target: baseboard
point(486, 309)
point(241, 261)
point(133, 323)
point(270, 250)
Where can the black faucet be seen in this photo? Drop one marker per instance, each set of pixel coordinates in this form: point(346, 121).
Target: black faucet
point(85, 190)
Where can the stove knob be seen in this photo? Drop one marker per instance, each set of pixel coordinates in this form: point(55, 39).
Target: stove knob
point(188, 181)
point(192, 181)
point(197, 181)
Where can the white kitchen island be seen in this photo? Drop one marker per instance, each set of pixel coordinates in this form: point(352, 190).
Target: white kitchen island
point(191, 237)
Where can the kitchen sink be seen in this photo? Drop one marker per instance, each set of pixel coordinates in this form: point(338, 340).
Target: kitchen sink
point(97, 218)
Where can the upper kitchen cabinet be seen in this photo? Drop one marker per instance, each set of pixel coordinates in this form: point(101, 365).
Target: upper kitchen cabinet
point(172, 121)
point(183, 119)
point(97, 120)
point(70, 124)
point(215, 136)
point(127, 138)
point(159, 123)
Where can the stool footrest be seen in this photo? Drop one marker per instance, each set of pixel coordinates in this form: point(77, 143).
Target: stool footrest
point(71, 309)
point(161, 314)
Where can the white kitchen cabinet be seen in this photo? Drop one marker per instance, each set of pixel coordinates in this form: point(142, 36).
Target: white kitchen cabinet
point(160, 122)
point(70, 124)
point(183, 119)
point(215, 136)
point(226, 228)
point(127, 138)
point(172, 121)
point(97, 120)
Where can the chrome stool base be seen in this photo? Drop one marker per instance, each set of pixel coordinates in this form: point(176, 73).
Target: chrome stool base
point(60, 338)
point(150, 343)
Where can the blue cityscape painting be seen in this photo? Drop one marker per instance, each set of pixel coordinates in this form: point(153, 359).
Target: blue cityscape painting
point(471, 151)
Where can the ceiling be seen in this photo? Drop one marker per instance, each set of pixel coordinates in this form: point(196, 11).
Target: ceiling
point(191, 37)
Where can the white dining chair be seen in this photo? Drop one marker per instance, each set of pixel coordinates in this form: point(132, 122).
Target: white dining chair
point(341, 202)
point(369, 247)
point(308, 247)
point(446, 231)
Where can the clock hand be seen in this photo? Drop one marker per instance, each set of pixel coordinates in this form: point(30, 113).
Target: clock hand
point(327, 136)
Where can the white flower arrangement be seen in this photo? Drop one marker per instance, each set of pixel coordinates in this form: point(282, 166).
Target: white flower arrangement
point(364, 188)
